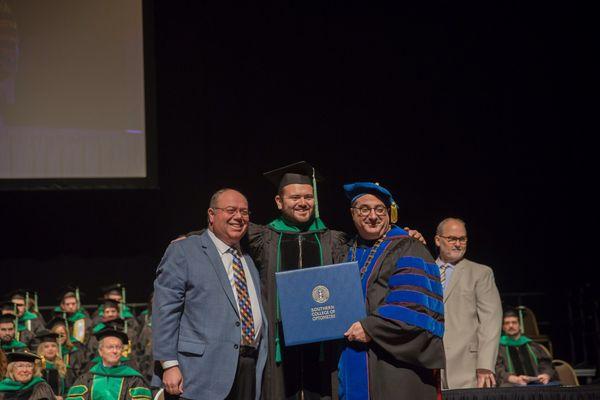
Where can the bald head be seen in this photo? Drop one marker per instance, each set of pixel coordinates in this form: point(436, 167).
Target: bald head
point(440, 227)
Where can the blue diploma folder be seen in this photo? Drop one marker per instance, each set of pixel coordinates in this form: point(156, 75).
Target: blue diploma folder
point(319, 303)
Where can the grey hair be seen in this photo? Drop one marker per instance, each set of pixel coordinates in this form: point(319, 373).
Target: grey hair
point(440, 228)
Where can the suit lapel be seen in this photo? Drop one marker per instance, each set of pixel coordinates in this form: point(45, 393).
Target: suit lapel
point(213, 255)
point(458, 270)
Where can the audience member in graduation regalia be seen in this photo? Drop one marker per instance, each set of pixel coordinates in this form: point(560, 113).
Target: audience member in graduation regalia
point(54, 369)
point(80, 324)
point(520, 360)
point(72, 352)
point(115, 323)
point(28, 320)
point(110, 379)
point(396, 351)
point(116, 292)
point(23, 379)
point(9, 334)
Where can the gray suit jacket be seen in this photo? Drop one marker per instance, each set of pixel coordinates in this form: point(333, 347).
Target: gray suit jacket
point(473, 320)
point(195, 318)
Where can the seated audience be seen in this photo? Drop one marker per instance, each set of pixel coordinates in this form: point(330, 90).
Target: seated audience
point(23, 379)
point(520, 360)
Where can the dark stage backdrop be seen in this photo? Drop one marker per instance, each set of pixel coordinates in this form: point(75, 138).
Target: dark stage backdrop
point(459, 112)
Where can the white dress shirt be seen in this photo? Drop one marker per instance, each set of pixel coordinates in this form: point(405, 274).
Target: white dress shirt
point(227, 258)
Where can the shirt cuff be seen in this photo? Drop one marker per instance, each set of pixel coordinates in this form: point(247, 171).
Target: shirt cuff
point(169, 364)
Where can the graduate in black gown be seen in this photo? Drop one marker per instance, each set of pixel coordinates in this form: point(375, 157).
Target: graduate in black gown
point(298, 238)
point(397, 350)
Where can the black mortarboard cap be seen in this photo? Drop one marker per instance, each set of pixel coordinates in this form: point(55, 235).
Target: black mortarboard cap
point(18, 293)
point(6, 318)
point(110, 332)
point(117, 323)
point(45, 335)
point(108, 303)
point(22, 356)
point(299, 173)
point(114, 287)
point(7, 305)
point(56, 321)
point(68, 291)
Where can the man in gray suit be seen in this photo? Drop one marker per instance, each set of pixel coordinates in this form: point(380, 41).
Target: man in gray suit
point(208, 326)
point(472, 311)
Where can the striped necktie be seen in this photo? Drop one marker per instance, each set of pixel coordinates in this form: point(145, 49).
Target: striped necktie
point(241, 289)
point(443, 275)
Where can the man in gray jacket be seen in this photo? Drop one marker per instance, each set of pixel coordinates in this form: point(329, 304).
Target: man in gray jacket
point(209, 328)
point(472, 311)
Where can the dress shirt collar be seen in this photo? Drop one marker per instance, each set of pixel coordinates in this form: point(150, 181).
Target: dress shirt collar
point(221, 246)
point(439, 262)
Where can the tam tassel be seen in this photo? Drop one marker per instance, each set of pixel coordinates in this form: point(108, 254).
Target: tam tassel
point(393, 213)
point(314, 185)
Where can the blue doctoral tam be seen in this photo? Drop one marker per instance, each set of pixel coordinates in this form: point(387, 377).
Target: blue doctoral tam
point(359, 189)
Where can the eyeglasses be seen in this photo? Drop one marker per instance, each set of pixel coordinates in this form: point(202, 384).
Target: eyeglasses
point(244, 212)
point(308, 197)
point(114, 347)
point(454, 239)
point(365, 211)
point(24, 365)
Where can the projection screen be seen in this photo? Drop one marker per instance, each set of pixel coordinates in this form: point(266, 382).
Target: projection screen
point(73, 95)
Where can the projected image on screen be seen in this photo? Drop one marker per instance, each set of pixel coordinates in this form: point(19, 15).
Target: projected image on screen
point(71, 89)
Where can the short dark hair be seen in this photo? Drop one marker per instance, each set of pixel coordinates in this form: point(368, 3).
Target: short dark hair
point(511, 312)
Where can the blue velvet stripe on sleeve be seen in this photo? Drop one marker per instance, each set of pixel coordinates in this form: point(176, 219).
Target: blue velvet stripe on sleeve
point(415, 280)
point(414, 297)
point(417, 262)
point(412, 317)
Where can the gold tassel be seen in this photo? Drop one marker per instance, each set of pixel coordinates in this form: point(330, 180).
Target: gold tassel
point(393, 213)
